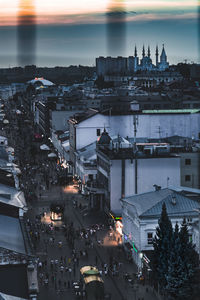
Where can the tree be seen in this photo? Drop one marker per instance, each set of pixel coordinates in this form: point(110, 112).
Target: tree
point(181, 265)
point(189, 259)
point(162, 247)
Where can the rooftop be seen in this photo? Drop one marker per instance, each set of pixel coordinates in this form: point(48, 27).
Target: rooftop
point(171, 111)
point(120, 149)
point(11, 237)
point(12, 196)
point(41, 81)
point(149, 205)
point(87, 153)
point(77, 118)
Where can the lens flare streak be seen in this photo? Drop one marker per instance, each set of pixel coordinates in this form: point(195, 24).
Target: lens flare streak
point(26, 33)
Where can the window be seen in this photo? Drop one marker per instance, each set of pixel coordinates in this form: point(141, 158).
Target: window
point(187, 161)
point(187, 177)
point(90, 177)
point(150, 238)
point(98, 132)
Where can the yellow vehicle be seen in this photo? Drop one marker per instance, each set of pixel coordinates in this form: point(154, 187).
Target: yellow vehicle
point(92, 282)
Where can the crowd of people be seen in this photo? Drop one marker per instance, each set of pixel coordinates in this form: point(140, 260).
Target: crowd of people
point(63, 247)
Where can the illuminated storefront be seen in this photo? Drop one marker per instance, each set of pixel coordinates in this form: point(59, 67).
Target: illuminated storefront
point(56, 212)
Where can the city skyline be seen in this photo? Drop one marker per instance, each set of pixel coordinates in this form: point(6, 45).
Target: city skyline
point(76, 33)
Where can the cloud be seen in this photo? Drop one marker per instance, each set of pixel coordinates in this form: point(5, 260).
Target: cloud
point(119, 14)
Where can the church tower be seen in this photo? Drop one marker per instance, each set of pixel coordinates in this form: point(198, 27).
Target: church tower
point(163, 65)
point(163, 57)
point(135, 54)
point(149, 52)
point(143, 52)
point(157, 56)
point(136, 60)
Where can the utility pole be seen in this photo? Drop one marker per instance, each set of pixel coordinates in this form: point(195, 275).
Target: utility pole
point(135, 124)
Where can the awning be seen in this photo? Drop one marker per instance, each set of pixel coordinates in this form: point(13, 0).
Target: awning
point(44, 147)
point(52, 154)
point(92, 279)
point(91, 272)
point(88, 268)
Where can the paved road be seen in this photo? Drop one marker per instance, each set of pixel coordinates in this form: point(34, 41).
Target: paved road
point(57, 251)
point(97, 255)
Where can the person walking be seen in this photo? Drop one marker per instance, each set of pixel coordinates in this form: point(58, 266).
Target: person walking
point(70, 272)
point(68, 284)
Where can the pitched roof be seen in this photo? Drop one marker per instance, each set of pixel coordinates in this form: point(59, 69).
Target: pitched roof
point(145, 201)
point(11, 236)
point(150, 204)
point(80, 117)
point(176, 204)
point(41, 81)
point(12, 196)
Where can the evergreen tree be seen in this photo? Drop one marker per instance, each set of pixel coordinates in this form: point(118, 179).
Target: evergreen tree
point(162, 247)
point(181, 265)
point(189, 260)
point(174, 263)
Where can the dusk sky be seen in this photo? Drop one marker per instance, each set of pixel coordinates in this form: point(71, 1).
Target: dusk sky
point(75, 32)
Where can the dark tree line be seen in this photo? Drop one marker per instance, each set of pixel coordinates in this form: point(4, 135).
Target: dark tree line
point(175, 260)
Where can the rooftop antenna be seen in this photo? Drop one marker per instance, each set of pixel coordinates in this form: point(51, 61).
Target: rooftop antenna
point(135, 124)
point(159, 132)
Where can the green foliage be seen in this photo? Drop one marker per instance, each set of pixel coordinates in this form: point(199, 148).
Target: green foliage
point(162, 246)
point(175, 259)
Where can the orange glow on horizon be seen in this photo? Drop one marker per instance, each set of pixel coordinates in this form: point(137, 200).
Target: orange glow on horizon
point(26, 12)
point(83, 11)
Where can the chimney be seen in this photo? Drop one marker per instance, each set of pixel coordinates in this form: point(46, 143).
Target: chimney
point(157, 187)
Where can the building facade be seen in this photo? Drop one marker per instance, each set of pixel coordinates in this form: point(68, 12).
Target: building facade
point(124, 172)
point(86, 128)
point(140, 215)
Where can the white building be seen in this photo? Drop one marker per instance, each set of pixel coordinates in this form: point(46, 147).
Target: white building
point(86, 164)
point(140, 215)
point(61, 144)
point(122, 173)
point(86, 128)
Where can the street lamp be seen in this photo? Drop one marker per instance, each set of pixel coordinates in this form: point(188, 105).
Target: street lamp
point(134, 107)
